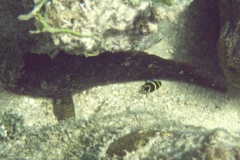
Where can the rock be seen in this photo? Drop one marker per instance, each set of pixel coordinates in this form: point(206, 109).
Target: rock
point(130, 142)
point(229, 40)
point(14, 41)
point(91, 27)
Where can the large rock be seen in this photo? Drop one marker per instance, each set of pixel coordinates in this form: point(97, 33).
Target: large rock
point(14, 41)
point(90, 27)
point(229, 41)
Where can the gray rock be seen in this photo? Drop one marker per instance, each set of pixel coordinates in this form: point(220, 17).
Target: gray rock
point(89, 27)
point(94, 140)
point(229, 40)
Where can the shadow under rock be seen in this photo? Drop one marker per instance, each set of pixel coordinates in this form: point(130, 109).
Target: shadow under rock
point(65, 74)
point(196, 40)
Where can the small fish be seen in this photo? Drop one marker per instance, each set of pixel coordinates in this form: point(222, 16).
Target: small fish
point(151, 86)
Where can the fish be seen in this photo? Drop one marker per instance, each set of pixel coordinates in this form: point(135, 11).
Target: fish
point(151, 86)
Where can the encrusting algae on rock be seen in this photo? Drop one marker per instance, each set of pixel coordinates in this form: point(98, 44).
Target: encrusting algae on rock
point(92, 27)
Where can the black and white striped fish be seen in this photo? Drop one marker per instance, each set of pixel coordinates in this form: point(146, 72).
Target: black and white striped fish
point(151, 86)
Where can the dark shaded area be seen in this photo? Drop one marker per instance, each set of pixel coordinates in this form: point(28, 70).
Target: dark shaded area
point(15, 40)
point(65, 74)
point(197, 39)
point(229, 41)
point(52, 78)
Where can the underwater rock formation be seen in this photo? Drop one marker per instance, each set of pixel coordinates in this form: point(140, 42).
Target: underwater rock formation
point(93, 140)
point(14, 41)
point(229, 40)
point(217, 144)
point(65, 74)
point(91, 27)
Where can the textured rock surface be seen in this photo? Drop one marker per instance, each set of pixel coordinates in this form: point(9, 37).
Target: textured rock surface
point(75, 139)
point(89, 27)
point(14, 41)
point(229, 41)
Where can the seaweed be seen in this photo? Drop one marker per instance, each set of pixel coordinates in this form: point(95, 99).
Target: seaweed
point(43, 13)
